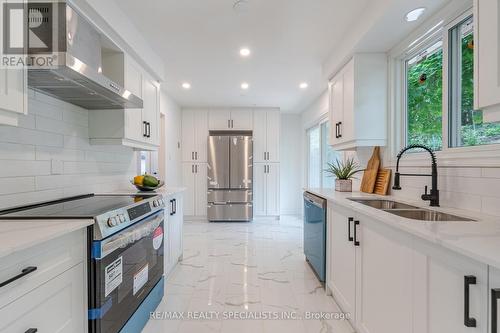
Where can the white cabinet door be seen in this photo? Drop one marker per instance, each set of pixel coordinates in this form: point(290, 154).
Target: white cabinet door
point(259, 135)
point(188, 181)
point(494, 292)
point(384, 278)
point(241, 119)
point(178, 222)
point(219, 119)
point(440, 277)
point(201, 189)
point(273, 189)
point(201, 135)
point(346, 127)
point(151, 110)
point(486, 53)
point(336, 107)
point(57, 306)
point(273, 135)
point(341, 259)
point(259, 189)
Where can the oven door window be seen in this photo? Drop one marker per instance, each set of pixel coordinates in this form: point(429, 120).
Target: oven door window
point(130, 266)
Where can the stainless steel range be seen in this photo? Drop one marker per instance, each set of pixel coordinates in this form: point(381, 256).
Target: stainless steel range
point(125, 254)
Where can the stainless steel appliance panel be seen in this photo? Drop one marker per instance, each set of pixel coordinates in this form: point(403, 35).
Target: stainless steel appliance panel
point(241, 155)
point(218, 162)
point(230, 212)
point(230, 196)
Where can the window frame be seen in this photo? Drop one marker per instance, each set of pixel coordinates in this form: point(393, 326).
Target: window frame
point(319, 124)
point(436, 28)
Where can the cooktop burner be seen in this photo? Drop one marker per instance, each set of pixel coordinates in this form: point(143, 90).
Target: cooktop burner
point(86, 206)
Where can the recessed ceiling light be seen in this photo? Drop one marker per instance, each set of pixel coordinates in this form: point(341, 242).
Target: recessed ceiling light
point(245, 86)
point(303, 85)
point(414, 14)
point(186, 85)
point(244, 52)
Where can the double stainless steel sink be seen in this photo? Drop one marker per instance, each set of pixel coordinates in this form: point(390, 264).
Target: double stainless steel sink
point(411, 212)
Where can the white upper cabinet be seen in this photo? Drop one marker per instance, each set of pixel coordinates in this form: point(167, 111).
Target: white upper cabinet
point(241, 119)
point(230, 119)
point(136, 128)
point(194, 135)
point(358, 103)
point(487, 58)
point(13, 89)
point(266, 135)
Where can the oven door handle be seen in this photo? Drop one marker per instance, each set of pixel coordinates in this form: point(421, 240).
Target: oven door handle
point(136, 232)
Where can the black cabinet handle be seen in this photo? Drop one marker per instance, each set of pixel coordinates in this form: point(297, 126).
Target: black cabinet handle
point(144, 130)
point(149, 129)
point(468, 280)
point(495, 296)
point(175, 206)
point(356, 242)
point(32, 330)
point(349, 221)
point(196, 155)
point(336, 130)
point(24, 272)
point(340, 129)
point(171, 207)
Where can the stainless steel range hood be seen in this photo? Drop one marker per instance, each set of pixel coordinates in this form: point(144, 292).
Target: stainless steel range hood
point(84, 57)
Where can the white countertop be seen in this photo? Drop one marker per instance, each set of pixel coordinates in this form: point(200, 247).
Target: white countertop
point(17, 235)
point(478, 240)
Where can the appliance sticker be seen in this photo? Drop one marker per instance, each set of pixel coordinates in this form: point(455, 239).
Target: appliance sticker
point(140, 278)
point(113, 276)
point(157, 238)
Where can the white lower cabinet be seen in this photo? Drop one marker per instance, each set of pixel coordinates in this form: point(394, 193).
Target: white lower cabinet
point(194, 178)
point(266, 189)
point(52, 294)
point(57, 306)
point(443, 282)
point(494, 300)
point(390, 281)
point(174, 231)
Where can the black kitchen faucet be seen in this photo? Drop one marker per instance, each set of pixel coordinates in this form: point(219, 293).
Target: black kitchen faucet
point(433, 197)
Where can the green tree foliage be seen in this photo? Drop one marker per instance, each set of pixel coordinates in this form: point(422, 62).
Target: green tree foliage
point(425, 101)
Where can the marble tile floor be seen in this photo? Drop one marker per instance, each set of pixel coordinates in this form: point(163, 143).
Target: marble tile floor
point(236, 275)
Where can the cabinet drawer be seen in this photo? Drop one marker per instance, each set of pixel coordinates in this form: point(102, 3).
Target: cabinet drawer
point(50, 258)
point(56, 306)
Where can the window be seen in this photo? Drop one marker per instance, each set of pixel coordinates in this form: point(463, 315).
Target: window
point(424, 97)
point(466, 127)
point(320, 153)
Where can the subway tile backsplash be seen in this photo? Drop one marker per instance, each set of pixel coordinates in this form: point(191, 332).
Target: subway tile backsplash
point(49, 156)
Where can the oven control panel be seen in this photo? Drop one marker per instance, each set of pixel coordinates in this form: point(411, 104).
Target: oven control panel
point(116, 220)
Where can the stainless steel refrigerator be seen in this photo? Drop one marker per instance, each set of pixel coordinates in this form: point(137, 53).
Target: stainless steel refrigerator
point(230, 178)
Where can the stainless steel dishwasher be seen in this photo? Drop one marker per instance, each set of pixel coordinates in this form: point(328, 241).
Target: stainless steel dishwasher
point(315, 233)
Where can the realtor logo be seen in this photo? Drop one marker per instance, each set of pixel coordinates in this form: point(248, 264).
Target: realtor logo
point(28, 33)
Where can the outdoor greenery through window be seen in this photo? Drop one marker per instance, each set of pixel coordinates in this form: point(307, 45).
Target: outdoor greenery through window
point(424, 97)
point(466, 124)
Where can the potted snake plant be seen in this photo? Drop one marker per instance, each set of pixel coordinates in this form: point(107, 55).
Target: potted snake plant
point(344, 172)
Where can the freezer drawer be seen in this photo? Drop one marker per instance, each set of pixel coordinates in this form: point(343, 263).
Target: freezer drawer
point(230, 196)
point(230, 212)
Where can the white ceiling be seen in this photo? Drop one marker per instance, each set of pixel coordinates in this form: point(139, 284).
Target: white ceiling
point(199, 41)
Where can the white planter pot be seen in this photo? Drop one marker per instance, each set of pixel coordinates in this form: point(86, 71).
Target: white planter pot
point(343, 185)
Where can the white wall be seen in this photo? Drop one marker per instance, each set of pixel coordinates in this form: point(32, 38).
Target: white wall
point(49, 156)
point(291, 164)
point(170, 170)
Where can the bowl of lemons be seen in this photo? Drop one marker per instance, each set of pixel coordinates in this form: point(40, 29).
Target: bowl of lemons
point(147, 183)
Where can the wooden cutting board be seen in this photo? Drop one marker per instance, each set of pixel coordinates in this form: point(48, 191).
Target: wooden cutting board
point(371, 171)
point(383, 181)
